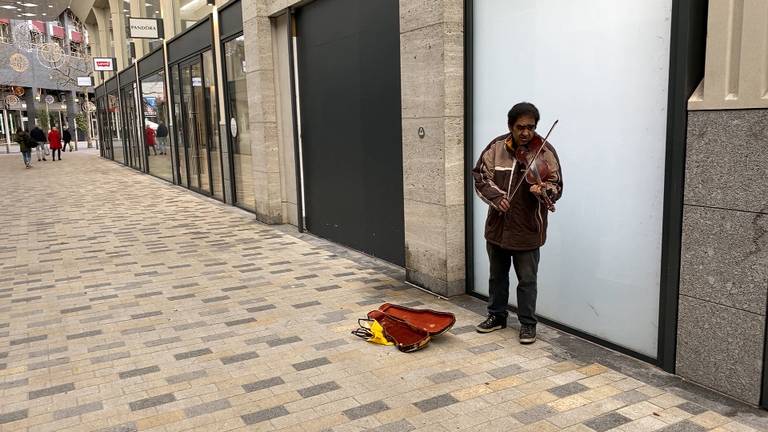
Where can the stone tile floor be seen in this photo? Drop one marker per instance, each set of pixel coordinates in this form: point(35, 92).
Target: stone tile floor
point(129, 304)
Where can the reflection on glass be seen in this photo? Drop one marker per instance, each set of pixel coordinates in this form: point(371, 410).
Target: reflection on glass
point(131, 123)
point(213, 125)
point(115, 128)
point(179, 143)
point(197, 114)
point(237, 99)
point(189, 138)
point(191, 11)
point(156, 134)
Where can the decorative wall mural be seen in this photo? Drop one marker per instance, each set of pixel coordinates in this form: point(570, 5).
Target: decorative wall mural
point(22, 39)
point(51, 55)
point(11, 100)
point(19, 62)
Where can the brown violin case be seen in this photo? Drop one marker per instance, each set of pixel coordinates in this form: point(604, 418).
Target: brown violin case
point(433, 322)
point(406, 337)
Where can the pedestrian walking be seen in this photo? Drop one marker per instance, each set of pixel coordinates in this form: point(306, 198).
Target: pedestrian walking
point(54, 140)
point(516, 225)
point(25, 145)
point(162, 135)
point(38, 136)
point(66, 137)
point(149, 134)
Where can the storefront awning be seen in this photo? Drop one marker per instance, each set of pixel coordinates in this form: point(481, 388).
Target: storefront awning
point(38, 26)
point(57, 31)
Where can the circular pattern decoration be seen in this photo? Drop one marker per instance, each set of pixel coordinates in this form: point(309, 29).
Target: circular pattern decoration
point(11, 100)
point(88, 106)
point(19, 62)
point(51, 55)
point(19, 91)
point(22, 39)
point(49, 99)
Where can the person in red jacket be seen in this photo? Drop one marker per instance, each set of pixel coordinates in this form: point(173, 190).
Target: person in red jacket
point(149, 133)
point(54, 141)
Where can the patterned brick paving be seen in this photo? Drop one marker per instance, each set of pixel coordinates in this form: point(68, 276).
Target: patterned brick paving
point(128, 304)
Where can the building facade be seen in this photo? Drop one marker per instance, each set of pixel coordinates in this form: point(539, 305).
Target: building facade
point(39, 80)
point(364, 134)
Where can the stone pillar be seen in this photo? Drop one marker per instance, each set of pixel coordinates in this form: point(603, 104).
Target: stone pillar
point(432, 83)
point(262, 111)
point(120, 44)
point(724, 259)
point(72, 110)
point(29, 98)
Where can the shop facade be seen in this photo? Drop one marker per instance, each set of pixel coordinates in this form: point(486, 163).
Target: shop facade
point(364, 134)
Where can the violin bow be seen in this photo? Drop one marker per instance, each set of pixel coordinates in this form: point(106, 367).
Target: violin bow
point(530, 164)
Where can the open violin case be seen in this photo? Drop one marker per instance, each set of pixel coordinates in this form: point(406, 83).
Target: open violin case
point(411, 329)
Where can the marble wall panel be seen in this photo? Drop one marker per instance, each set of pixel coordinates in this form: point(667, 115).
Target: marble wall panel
point(725, 257)
point(727, 159)
point(721, 348)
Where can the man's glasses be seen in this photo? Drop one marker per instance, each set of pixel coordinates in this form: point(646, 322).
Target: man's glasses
point(521, 128)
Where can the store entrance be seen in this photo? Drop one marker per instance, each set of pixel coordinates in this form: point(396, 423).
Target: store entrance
point(133, 142)
point(193, 130)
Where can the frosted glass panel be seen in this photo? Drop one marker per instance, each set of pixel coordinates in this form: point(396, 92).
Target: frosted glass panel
point(601, 67)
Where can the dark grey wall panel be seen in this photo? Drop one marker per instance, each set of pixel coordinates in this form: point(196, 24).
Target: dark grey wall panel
point(152, 62)
point(128, 75)
point(231, 20)
point(194, 39)
point(111, 85)
point(349, 81)
point(722, 274)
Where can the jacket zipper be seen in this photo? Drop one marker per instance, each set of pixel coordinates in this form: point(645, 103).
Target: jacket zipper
point(540, 223)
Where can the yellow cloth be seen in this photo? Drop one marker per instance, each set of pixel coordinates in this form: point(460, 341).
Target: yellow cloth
point(378, 334)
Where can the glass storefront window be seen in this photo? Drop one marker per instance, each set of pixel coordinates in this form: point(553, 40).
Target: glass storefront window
point(179, 142)
point(213, 125)
point(191, 11)
point(237, 101)
point(156, 131)
point(134, 155)
point(115, 130)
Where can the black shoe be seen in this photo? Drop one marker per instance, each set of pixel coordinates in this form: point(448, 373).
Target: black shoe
point(527, 334)
point(45, 159)
point(492, 323)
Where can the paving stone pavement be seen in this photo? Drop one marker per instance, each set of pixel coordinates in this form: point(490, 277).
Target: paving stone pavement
point(129, 304)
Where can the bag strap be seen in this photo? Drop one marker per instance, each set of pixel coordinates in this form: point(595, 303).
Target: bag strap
point(364, 331)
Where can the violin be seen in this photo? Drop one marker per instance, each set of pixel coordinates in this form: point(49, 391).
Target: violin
point(537, 169)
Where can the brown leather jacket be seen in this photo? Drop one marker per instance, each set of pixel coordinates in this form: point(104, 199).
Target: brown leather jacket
point(524, 225)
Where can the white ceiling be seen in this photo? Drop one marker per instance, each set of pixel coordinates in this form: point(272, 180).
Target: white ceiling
point(44, 10)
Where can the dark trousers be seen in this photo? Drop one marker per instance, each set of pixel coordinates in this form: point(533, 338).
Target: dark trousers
point(53, 154)
point(64, 147)
point(526, 268)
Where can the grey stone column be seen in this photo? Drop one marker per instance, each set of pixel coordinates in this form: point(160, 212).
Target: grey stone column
point(262, 111)
point(432, 86)
point(72, 109)
point(29, 98)
point(724, 262)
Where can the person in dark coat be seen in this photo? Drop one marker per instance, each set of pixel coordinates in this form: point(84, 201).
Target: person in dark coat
point(54, 140)
point(162, 136)
point(38, 136)
point(66, 137)
point(25, 145)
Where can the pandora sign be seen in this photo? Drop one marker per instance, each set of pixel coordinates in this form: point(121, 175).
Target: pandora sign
point(145, 28)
